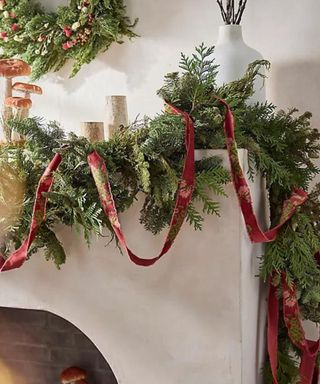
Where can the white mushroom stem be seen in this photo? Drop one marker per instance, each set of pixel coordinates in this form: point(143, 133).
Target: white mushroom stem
point(8, 92)
point(7, 111)
point(25, 113)
point(21, 113)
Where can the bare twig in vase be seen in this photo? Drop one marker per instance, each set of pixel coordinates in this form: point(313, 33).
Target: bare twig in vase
point(229, 10)
point(223, 12)
point(242, 7)
point(233, 12)
point(229, 13)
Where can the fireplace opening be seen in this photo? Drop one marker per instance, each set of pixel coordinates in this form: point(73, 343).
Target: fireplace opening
point(36, 346)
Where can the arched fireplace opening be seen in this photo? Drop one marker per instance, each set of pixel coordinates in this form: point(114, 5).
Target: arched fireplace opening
point(36, 346)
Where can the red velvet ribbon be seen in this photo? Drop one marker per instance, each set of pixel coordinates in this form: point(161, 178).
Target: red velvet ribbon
point(291, 312)
point(292, 318)
point(243, 191)
point(18, 257)
point(183, 199)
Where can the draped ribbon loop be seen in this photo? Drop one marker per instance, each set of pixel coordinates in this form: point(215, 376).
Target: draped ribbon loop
point(243, 191)
point(18, 257)
point(183, 198)
point(291, 313)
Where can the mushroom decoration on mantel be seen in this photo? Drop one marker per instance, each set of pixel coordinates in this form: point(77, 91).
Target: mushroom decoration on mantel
point(20, 104)
point(10, 68)
point(73, 375)
point(22, 107)
point(27, 90)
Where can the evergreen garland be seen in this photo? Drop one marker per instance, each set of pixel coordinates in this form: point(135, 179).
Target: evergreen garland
point(282, 147)
point(147, 158)
point(79, 32)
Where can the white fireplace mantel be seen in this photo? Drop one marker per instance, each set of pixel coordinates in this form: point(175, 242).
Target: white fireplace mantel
point(191, 318)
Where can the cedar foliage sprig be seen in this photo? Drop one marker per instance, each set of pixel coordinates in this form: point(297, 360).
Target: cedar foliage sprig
point(78, 32)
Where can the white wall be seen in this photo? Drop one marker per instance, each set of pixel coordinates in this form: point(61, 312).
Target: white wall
point(287, 32)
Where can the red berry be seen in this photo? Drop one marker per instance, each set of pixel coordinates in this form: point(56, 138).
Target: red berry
point(14, 27)
point(67, 31)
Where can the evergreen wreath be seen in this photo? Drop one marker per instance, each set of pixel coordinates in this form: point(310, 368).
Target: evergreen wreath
point(78, 31)
point(147, 158)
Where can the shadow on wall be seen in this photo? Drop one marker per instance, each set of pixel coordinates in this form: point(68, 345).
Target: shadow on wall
point(159, 27)
point(135, 68)
point(36, 346)
point(297, 84)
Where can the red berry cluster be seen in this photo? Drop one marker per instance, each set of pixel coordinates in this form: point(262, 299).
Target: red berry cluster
point(8, 15)
point(82, 36)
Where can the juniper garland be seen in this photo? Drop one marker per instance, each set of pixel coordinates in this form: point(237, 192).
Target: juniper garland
point(78, 31)
point(147, 158)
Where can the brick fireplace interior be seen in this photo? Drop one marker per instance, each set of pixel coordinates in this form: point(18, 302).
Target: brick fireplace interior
point(35, 346)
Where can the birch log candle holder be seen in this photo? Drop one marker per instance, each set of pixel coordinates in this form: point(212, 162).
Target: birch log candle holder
point(116, 114)
point(92, 131)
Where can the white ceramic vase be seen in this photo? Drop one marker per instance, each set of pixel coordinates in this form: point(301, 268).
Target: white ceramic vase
point(233, 56)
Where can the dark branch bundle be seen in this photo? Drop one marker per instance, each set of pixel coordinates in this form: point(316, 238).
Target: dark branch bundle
point(231, 14)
